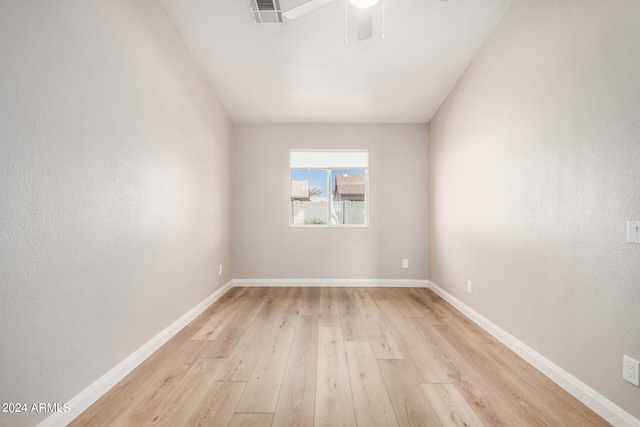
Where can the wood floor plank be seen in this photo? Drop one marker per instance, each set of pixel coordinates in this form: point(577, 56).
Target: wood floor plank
point(329, 310)
point(411, 406)
point(511, 401)
point(251, 420)
point(224, 340)
point(536, 393)
point(216, 406)
point(350, 319)
point(370, 399)
point(375, 293)
point(383, 344)
point(183, 400)
point(134, 383)
point(450, 406)
point(242, 361)
point(261, 392)
point(422, 300)
point(143, 401)
point(310, 305)
point(425, 363)
point(399, 298)
point(482, 387)
point(449, 315)
point(292, 301)
point(334, 403)
point(204, 317)
point(296, 401)
point(223, 314)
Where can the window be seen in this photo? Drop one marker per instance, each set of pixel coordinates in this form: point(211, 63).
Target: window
point(329, 188)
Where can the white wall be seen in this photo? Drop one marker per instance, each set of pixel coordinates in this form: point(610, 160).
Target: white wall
point(264, 245)
point(115, 190)
point(534, 172)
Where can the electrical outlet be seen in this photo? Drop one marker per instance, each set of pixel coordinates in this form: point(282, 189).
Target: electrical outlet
point(220, 270)
point(469, 287)
point(630, 370)
point(405, 263)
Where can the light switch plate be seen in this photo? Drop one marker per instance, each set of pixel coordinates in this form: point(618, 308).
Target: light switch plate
point(633, 232)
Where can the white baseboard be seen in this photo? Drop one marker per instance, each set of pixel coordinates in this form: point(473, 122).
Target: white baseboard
point(89, 395)
point(352, 283)
point(594, 400)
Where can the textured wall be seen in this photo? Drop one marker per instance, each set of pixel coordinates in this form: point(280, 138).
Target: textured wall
point(264, 245)
point(534, 172)
point(115, 190)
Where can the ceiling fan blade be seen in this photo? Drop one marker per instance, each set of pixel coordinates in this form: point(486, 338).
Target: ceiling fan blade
point(365, 24)
point(304, 8)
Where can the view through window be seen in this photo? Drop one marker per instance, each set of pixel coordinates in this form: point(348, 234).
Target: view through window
point(329, 187)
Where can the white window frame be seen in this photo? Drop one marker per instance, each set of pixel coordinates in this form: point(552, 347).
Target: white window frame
point(330, 160)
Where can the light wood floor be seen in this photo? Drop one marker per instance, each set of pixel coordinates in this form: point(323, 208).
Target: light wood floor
point(335, 357)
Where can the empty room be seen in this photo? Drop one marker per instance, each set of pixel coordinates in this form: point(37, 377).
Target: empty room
point(320, 213)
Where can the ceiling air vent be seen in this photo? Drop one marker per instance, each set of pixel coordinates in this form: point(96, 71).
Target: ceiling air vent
point(266, 11)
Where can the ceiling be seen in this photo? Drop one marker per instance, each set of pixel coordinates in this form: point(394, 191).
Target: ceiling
point(302, 71)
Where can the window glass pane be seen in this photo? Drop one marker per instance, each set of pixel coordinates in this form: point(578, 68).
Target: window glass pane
point(309, 197)
point(348, 188)
point(329, 187)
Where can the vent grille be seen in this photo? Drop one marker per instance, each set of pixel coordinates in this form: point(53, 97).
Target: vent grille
point(266, 5)
point(265, 11)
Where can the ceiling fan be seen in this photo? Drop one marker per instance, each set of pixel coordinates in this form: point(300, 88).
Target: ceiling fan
point(363, 8)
